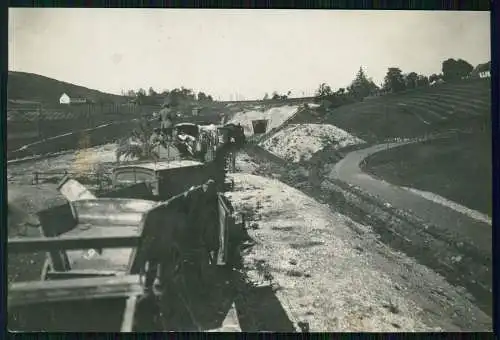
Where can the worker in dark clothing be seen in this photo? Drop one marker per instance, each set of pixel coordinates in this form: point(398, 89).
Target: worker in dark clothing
point(167, 115)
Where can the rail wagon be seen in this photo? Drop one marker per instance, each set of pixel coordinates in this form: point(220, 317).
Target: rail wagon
point(104, 254)
point(164, 178)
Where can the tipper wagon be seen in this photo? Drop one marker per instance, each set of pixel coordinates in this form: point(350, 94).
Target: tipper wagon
point(105, 255)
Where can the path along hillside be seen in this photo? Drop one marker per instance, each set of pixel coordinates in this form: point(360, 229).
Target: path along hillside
point(460, 111)
point(460, 114)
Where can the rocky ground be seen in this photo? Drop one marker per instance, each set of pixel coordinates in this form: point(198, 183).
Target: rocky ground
point(335, 274)
point(298, 142)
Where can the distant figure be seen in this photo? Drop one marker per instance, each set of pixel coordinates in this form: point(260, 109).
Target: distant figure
point(167, 115)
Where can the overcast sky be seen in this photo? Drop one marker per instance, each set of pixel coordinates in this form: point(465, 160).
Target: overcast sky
point(250, 52)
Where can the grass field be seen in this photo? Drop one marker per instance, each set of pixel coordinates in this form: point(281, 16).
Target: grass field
point(457, 168)
point(462, 105)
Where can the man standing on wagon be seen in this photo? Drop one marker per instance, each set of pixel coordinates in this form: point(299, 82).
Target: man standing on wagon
point(167, 116)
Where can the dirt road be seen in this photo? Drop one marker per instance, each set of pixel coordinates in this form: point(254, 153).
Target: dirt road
point(447, 240)
point(440, 304)
point(462, 226)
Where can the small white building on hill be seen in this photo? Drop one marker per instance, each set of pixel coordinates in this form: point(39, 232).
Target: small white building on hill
point(66, 99)
point(485, 74)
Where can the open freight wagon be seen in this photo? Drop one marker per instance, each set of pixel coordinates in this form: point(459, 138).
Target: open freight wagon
point(163, 178)
point(104, 254)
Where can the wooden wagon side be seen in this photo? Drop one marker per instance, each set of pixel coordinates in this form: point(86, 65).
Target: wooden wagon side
point(164, 179)
point(76, 304)
point(85, 220)
point(153, 221)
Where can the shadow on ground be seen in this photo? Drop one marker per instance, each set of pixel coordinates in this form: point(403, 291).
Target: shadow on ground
point(202, 308)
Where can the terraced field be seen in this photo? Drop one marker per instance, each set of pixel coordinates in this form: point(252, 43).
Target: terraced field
point(461, 106)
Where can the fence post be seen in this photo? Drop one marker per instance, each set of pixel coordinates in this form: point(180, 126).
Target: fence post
point(39, 122)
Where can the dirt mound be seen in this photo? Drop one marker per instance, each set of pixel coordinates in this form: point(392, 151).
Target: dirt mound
point(299, 142)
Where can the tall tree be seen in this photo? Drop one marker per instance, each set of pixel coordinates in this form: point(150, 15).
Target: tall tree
point(151, 92)
point(463, 68)
point(202, 96)
point(422, 80)
point(324, 90)
point(187, 93)
point(361, 86)
point(394, 81)
point(140, 96)
point(455, 69)
point(433, 77)
point(411, 80)
point(266, 96)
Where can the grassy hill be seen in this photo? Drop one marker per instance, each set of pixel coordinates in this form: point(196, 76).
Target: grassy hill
point(463, 105)
point(34, 87)
point(457, 168)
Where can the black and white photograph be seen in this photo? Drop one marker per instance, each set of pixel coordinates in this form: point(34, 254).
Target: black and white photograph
point(239, 170)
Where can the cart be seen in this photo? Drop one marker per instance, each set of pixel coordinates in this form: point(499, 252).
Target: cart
point(105, 253)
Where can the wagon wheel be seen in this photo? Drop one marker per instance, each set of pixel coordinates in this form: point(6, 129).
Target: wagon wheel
point(172, 268)
point(172, 272)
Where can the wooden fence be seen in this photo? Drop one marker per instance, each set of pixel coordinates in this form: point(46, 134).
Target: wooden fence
point(26, 124)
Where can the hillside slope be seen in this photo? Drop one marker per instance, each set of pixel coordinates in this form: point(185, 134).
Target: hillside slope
point(442, 167)
point(463, 105)
point(34, 87)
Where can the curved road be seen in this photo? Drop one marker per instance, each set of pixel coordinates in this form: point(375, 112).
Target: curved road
point(462, 226)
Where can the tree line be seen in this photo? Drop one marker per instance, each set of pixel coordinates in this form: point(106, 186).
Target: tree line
point(180, 95)
point(395, 81)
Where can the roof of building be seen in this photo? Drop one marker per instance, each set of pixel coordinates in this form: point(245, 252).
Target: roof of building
point(74, 97)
